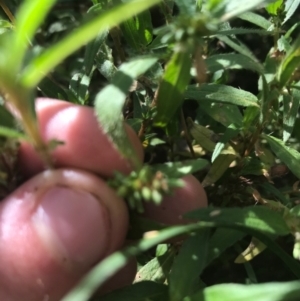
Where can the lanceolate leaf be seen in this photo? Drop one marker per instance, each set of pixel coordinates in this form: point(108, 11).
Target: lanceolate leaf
point(222, 94)
point(101, 22)
point(290, 62)
point(188, 265)
point(238, 31)
point(290, 7)
point(289, 156)
point(288, 291)
point(218, 168)
point(232, 61)
point(237, 45)
point(234, 8)
point(28, 19)
point(174, 82)
point(256, 19)
point(290, 110)
point(255, 217)
point(226, 114)
point(110, 101)
point(138, 31)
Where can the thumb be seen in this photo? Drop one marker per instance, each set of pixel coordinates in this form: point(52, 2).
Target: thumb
point(53, 229)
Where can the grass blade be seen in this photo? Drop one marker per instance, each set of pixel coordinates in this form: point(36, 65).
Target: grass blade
point(50, 58)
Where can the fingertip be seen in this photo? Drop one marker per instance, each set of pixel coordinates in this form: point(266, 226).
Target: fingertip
point(183, 199)
point(85, 146)
point(53, 229)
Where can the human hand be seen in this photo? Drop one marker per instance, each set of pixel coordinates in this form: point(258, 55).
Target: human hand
point(59, 223)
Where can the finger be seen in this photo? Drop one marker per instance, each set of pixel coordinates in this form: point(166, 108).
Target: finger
point(53, 229)
point(85, 144)
point(184, 199)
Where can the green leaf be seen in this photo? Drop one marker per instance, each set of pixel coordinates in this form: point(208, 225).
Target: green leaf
point(50, 88)
point(141, 291)
point(203, 136)
point(221, 94)
point(290, 8)
point(232, 8)
point(218, 168)
point(188, 265)
point(231, 132)
point(232, 61)
point(273, 8)
point(276, 291)
point(12, 133)
point(220, 241)
point(110, 101)
point(289, 156)
point(224, 113)
point(137, 31)
point(186, 7)
point(237, 31)
point(50, 58)
point(174, 82)
point(289, 64)
point(258, 218)
point(29, 17)
point(256, 19)
point(237, 45)
point(291, 105)
point(91, 50)
point(111, 264)
point(158, 268)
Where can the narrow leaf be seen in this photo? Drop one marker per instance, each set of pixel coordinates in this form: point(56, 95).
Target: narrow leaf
point(157, 269)
point(237, 45)
point(234, 8)
point(188, 265)
point(137, 31)
point(289, 156)
point(288, 291)
point(220, 241)
point(174, 82)
point(222, 94)
point(290, 110)
point(110, 101)
point(12, 133)
point(28, 19)
point(101, 22)
point(226, 61)
point(289, 64)
point(223, 113)
point(256, 19)
point(218, 168)
point(290, 8)
point(258, 218)
point(231, 132)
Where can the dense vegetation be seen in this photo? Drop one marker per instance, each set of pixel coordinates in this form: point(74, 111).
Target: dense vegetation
point(212, 88)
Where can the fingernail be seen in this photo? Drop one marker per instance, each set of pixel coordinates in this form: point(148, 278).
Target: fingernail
point(73, 225)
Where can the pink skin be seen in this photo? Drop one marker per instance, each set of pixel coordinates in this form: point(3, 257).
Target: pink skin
point(192, 196)
point(53, 229)
point(60, 223)
point(85, 145)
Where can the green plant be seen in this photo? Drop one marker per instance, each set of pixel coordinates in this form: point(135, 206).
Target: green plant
point(155, 77)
